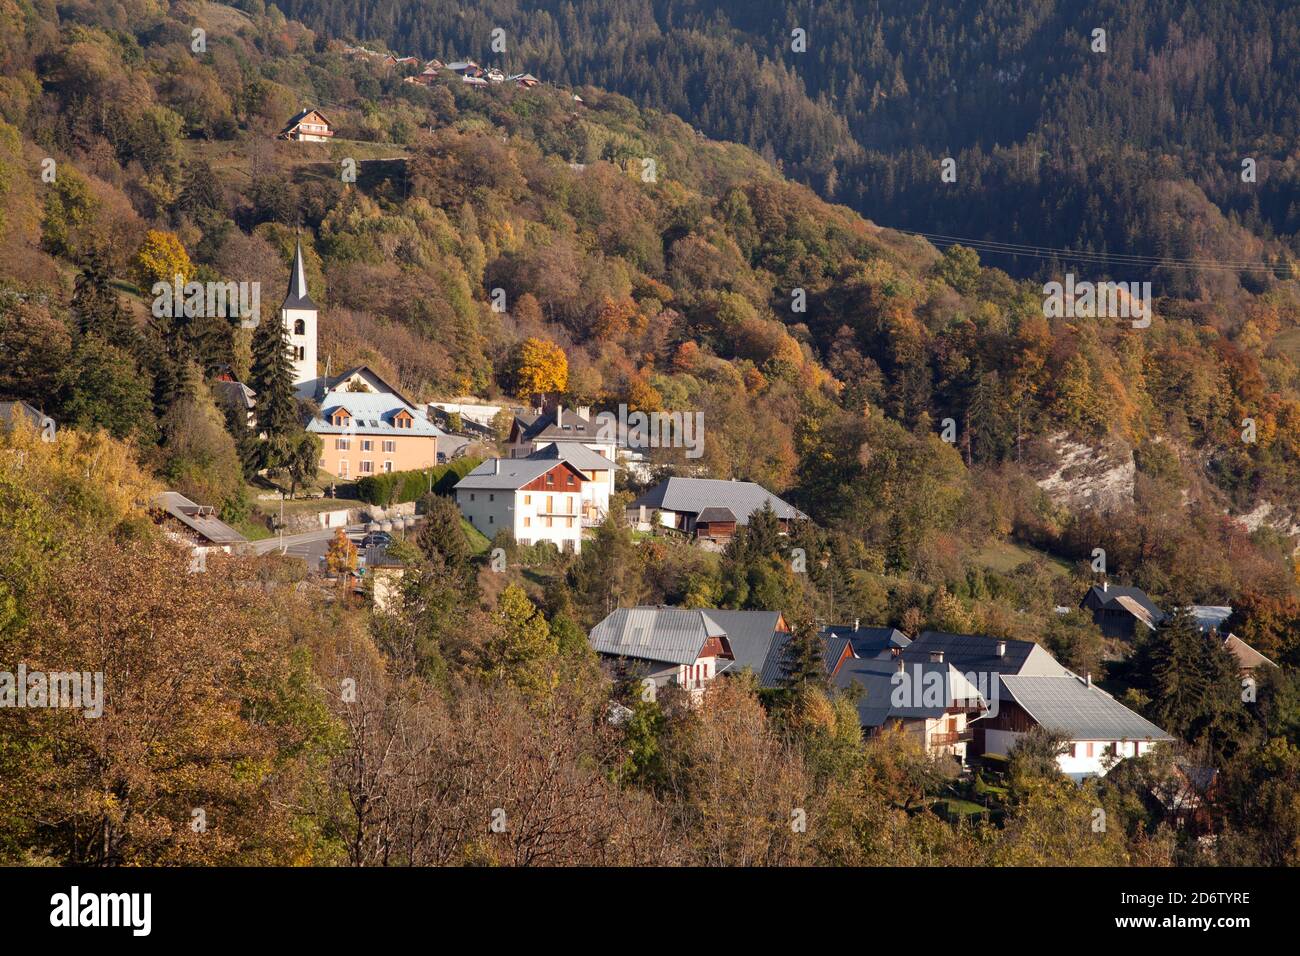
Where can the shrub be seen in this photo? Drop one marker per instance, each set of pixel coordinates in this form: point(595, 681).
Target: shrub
point(399, 486)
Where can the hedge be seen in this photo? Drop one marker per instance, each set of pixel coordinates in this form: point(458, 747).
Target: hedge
point(398, 486)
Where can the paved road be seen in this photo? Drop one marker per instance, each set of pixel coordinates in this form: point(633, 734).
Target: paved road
point(310, 546)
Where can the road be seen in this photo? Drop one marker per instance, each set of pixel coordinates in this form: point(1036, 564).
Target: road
point(310, 546)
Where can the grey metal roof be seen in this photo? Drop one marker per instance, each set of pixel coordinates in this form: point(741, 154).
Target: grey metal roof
point(1211, 617)
point(716, 514)
point(878, 679)
point(297, 297)
point(693, 495)
point(576, 454)
point(777, 667)
point(870, 641)
point(750, 634)
point(564, 424)
point(10, 412)
point(511, 473)
point(201, 519)
point(670, 634)
point(1080, 710)
point(979, 654)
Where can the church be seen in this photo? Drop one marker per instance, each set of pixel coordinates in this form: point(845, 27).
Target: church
point(366, 425)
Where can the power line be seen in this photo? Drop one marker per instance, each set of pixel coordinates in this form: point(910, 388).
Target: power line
point(1089, 256)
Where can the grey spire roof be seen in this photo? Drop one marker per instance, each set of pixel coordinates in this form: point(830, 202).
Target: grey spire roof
point(297, 297)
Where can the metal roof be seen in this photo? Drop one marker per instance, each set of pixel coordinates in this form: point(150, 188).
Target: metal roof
point(777, 666)
point(750, 634)
point(978, 653)
point(878, 678)
point(669, 634)
point(694, 495)
point(1077, 709)
point(297, 297)
point(577, 455)
point(372, 413)
point(1108, 597)
point(870, 641)
point(201, 519)
point(510, 474)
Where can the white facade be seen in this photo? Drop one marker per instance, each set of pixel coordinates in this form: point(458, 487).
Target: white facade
point(301, 326)
point(529, 516)
point(1084, 758)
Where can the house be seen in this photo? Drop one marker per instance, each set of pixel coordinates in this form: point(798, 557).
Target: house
point(666, 645)
point(1024, 686)
point(836, 653)
point(752, 635)
point(707, 507)
point(308, 126)
point(533, 499)
point(385, 575)
point(1098, 729)
point(525, 80)
point(193, 525)
point(13, 412)
point(367, 427)
point(1120, 611)
point(1211, 618)
point(564, 427)
point(931, 701)
point(870, 642)
point(493, 75)
point(237, 397)
point(596, 469)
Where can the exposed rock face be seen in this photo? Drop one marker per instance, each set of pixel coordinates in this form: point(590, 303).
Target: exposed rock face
point(1088, 476)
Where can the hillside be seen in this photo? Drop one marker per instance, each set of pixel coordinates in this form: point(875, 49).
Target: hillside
point(607, 241)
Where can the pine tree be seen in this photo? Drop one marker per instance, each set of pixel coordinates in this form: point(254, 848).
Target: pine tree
point(805, 655)
point(272, 379)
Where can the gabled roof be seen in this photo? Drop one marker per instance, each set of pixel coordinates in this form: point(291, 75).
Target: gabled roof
point(694, 495)
point(562, 425)
point(1081, 711)
point(201, 519)
point(511, 474)
point(302, 115)
point(1109, 596)
point(751, 635)
point(870, 641)
point(1211, 617)
point(577, 455)
point(777, 666)
point(667, 634)
point(1247, 657)
point(716, 514)
point(879, 678)
point(371, 413)
point(366, 372)
point(979, 654)
point(297, 297)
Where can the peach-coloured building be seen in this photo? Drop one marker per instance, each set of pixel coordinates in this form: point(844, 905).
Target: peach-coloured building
point(368, 428)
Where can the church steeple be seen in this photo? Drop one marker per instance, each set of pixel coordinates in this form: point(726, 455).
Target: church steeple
point(299, 315)
point(297, 297)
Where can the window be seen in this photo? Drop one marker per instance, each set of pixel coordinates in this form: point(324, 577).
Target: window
point(300, 353)
point(492, 497)
point(491, 520)
point(342, 444)
point(528, 522)
point(471, 496)
point(570, 479)
point(390, 446)
point(367, 445)
point(550, 478)
point(528, 499)
point(343, 467)
point(569, 522)
point(388, 467)
point(550, 523)
point(550, 505)
point(367, 467)
point(299, 327)
point(1089, 748)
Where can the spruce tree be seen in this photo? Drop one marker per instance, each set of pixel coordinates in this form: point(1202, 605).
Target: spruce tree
point(272, 379)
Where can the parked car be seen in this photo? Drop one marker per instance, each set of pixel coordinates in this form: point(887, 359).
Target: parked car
point(376, 539)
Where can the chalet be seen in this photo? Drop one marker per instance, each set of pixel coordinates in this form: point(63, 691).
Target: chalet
point(494, 75)
point(1098, 729)
point(931, 700)
point(195, 526)
point(666, 645)
point(597, 470)
point(367, 427)
point(309, 126)
point(532, 499)
point(565, 427)
point(869, 642)
point(238, 398)
point(707, 508)
point(1121, 611)
point(525, 80)
point(836, 654)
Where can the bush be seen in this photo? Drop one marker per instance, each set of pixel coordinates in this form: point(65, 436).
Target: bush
point(398, 486)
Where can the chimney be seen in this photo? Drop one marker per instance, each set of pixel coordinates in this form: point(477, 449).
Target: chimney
point(584, 412)
point(856, 621)
point(559, 415)
point(902, 665)
point(1002, 648)
point(496, 466)
point(1089, 681)
point(641, 515)
point(1105, 585)
point(896, 652)
point(936, 657)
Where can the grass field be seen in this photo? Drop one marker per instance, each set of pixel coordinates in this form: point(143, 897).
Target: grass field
point(1005, 556)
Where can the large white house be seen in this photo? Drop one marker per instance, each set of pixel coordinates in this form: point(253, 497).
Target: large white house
point(666, 645)
point(534, 499)
point(595, 467)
